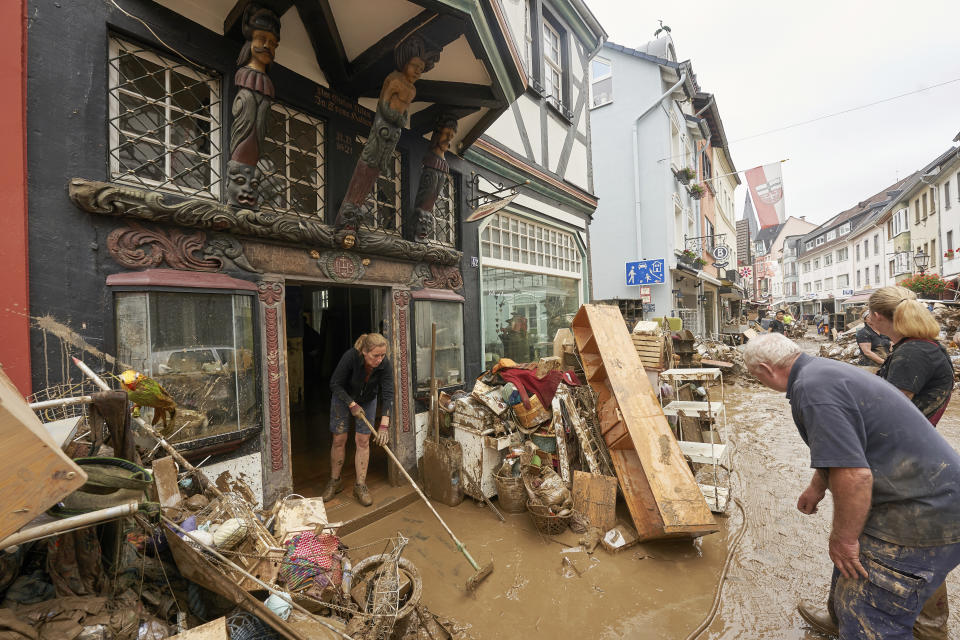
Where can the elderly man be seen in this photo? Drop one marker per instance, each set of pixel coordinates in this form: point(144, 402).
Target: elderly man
point(895, 484)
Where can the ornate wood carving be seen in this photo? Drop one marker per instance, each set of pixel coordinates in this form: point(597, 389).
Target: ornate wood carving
point(113, 200)
point(402, 300)
point(139, 247)
point(433, 177)
point(341, 266)
point(271, 293)
point(412, 58)
point(444, 277)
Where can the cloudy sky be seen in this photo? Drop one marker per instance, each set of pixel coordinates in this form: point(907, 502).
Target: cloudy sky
point(771, 64)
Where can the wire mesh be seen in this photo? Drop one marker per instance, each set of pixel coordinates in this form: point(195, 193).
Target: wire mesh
point(163, 122)
point(59, 392)
point(292, 163)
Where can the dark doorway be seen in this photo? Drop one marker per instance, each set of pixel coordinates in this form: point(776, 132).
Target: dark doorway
point(322, 323)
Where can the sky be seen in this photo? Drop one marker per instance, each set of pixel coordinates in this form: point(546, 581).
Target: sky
point(774, 63)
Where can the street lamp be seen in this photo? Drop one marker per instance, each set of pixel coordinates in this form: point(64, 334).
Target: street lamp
point(920, 259)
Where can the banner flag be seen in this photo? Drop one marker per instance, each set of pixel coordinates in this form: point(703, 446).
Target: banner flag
point(766, 188)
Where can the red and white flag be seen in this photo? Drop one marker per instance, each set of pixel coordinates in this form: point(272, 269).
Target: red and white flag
point(766, 188)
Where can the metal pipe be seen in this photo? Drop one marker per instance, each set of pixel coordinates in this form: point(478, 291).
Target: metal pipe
point(61, 402)
point(636, 160)
point(69, 524)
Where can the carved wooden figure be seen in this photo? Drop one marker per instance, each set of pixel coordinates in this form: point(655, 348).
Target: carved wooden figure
point(412, 60)
point(433, 177)
point(251, 106)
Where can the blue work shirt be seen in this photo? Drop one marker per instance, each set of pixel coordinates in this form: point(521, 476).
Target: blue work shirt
point(852, 419)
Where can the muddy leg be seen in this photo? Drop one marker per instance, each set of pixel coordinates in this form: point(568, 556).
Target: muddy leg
point(361, 458)
point(932, 622)
point(337, 453)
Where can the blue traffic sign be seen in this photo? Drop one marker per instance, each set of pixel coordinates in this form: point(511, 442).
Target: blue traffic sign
point(644, 272)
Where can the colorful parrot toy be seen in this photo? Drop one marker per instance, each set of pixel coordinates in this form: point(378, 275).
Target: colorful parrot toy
point(147, 392)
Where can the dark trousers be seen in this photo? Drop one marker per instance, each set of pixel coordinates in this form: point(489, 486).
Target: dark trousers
point(899, 581)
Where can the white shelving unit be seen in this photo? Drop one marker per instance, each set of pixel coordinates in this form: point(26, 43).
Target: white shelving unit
point(712, 452)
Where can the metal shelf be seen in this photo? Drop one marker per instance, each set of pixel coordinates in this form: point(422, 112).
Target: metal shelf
point(710, 373)
point(703, 452)
point(692, 409)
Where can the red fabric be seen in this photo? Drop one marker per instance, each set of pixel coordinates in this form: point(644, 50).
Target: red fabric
point(527, 383)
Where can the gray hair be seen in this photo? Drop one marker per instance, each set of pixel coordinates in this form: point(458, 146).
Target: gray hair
point(774, 349)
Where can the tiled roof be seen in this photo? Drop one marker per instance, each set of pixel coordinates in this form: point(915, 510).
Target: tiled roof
point(639, 54)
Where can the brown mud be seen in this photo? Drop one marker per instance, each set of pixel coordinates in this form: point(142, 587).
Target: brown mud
point(655, 590)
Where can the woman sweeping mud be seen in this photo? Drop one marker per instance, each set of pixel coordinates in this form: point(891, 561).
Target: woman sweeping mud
point(363, 374)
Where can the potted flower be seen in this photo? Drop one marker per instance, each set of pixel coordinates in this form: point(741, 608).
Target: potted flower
point(687, 256)
point(699, 263)
point(926, 285)
point(696, 191)
point(948, 254)
point(685, 175)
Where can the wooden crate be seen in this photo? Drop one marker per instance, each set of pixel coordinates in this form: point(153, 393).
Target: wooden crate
point(651, 350)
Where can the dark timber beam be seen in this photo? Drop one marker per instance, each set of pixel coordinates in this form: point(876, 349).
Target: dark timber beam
point(461, 94)
point(423, 121)
point(231, 25)
point(317, 18)
point(373, 65)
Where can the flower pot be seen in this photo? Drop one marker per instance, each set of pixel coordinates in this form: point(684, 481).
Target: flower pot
point(696, 195)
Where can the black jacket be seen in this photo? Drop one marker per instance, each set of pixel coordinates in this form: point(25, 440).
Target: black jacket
point(348, 386)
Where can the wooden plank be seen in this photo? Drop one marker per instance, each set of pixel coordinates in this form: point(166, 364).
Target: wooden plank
point(653, 473)
point(165, 480)
point(216, 630)
point(595, 496)
point(38, 474)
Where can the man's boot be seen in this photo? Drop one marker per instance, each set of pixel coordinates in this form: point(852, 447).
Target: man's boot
point(931, 624)
point(818, 617)
point(334, 486)
point(362, 494)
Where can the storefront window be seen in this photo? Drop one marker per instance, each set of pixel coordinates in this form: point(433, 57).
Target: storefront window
point(200, 348)
point(522, 312)
point(449, 319)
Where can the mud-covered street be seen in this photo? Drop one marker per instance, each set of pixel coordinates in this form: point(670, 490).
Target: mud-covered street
point(654, 590)
point(783, 554)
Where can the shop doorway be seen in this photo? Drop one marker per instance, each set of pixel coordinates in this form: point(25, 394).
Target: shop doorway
point(323, 322)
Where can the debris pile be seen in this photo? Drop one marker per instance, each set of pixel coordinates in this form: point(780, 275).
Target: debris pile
point(714, 353)
point(844, 348)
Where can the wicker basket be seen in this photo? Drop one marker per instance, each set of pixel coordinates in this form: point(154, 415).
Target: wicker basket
point(510, 494)
point(547, 523)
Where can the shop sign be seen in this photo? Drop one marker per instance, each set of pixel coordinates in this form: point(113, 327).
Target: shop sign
point(644, 272)
point(847, 292)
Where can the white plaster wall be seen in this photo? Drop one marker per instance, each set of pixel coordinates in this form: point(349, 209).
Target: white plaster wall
point(577, 166)
point(530, 114)
point(505, 131)
point(556, 134)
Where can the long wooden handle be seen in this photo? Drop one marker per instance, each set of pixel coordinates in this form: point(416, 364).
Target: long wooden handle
point(434, 387)
point(417, 489)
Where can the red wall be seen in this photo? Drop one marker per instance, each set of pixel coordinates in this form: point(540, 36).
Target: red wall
point(14, 292)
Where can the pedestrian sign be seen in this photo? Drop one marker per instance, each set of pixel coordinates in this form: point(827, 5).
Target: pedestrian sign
point(643, 272)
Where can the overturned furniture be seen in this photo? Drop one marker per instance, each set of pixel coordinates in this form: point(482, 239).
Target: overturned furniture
point(659, 488)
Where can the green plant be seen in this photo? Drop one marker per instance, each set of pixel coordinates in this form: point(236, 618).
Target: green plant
point(925, 284)
point(688, 255)
point(697, 189)
point(699, 262)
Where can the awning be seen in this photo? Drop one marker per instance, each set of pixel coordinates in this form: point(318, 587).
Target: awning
point(857, 299)
point(708, 278)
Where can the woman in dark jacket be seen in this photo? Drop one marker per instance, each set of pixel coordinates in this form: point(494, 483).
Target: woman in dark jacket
point(363, 374)
point(920, 367)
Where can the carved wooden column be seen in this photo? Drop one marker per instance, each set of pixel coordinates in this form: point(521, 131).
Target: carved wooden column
point(275, 439)
point(404, 440)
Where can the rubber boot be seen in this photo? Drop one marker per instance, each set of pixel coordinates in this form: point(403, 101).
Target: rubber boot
point(931, 624)
point(362, 494)
point(818, 617)
point(334, 486)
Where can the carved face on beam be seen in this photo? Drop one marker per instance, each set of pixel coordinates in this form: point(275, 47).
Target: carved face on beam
point(413, 69)
point(243, 184)
point(442, 137)
point(263, 49)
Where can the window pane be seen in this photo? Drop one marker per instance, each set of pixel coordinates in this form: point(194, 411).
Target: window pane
point(142, 76)
point(599, 67)
point(200, 348)
point(139, 116)
point(142, 159)
point(188, 94)
point(523, 311)
point(449, 353)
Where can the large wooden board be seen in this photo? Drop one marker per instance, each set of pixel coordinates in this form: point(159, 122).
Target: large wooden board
point(37, 474)
point(660, 490)
point(595, 496)
point(216, 630)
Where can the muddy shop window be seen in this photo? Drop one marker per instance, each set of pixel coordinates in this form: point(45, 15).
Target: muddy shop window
point(164, 124)
point(522, 312)
point(293, 162)
point(383, 210)
point(200, 348)
point(449, 355)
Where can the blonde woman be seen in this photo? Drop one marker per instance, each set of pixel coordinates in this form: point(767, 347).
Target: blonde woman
point(363, 374)
point(917, 364)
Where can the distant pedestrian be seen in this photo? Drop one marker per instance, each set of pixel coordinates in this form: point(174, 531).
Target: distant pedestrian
point(777, 325)
point(894, 482)
point(873, 346)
